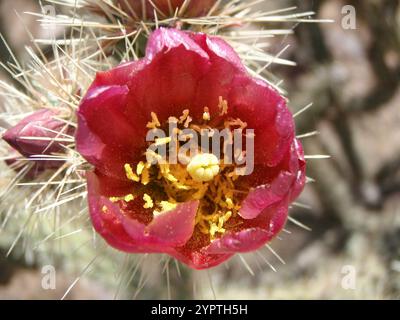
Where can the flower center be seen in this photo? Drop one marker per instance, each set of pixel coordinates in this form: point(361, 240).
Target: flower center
point(203, 177)
point(203, 167)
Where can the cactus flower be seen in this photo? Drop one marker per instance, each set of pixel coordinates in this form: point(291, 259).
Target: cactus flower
point(38, 134)
point(204, 210)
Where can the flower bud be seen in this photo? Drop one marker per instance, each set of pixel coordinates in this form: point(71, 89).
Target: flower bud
point(38, 134)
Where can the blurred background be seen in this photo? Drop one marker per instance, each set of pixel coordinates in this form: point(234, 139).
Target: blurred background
point(352, 77)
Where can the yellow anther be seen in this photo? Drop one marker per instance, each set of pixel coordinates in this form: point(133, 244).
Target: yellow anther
point(114, 199)
point(206, 114)
point(229, 203)
point(145, 176)
point(184, 115)
point(154, 121)
point(104, 209)
point(129, 197)
point(148, 201)
point(152, 156)
point(139, 168)
point(187, 122)
point(165, 206)
point(165, 171)
point(203, 167)
point(213, 230)
point(162, 141)
point(130, 174)
point(223, 106)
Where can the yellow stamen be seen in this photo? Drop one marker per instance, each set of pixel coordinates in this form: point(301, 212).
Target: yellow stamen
point(114, 199)
point(203, 167)
point(154, 122)
point(223, 106)
point(204, 178)
point(162, 141)
point(130, 174)
point(165, 206)
point(148, 201)
point(213, 229)
point(139, 168)
point(145, 176)
point(229, 203)
point(206, 114)
point(187, 122)
point(185, 114)
point(129, 197)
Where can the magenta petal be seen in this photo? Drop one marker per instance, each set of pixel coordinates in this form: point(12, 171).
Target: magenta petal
point(118, 76)
point(168, 229)
point(265, 227)
point(265, 196)
point(162, 40)
point(167, 86)
point(217, 47)
point(201, 260)
point(243, 241)
point(97, 137)
point(89, 145)
point(277, 218)
point(106, 223)
point(102, 109)
point(274, 130)
point(288, 183)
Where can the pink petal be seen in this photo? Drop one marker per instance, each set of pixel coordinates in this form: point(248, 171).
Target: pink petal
point(261, 230)
point(103, 110)
point(163, 40)
point(113, 187)
point(168, 229)
point(266, 112)
point(200, 260)
point(105, 137)
point(285, 180)
point(243, 241)
point(218, 48)
point(107, 224)
point(167, 86)
point(265, 196)
point(118, 76)
point(89, 144)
